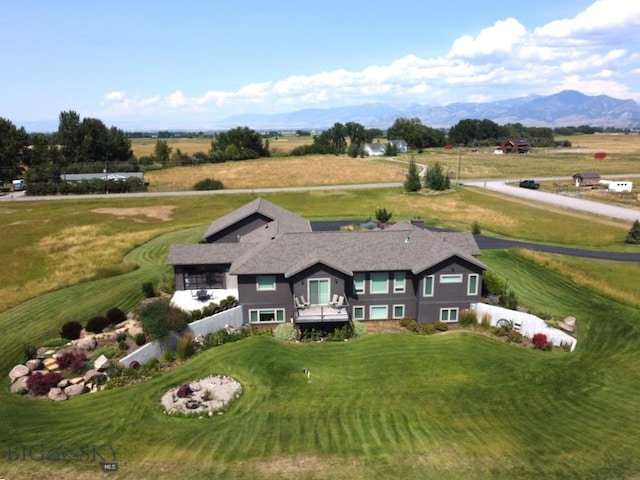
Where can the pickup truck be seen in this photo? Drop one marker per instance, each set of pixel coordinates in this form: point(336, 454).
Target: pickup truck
point(529, 184)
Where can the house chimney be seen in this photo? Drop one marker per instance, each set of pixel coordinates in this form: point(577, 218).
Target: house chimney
point(417, 222)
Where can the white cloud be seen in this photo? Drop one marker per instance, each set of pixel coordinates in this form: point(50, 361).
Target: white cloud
point(588, 52)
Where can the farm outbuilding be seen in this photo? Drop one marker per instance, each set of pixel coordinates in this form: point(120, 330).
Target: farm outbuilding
point(586, 179)
point(617, 186)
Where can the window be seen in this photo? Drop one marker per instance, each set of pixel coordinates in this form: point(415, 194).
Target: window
point(380, 312)
point(451, 278)
point(319, 289)
point(399, 282)
point(358, 282)
point(448, 314)
point(266, 282)
point(358, 313)
point(379, 282)
point(398, 311)
point(267, 316)
point(428, 286)
point(472, 285)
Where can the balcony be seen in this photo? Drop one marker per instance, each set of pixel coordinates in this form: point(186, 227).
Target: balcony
point(333, 311)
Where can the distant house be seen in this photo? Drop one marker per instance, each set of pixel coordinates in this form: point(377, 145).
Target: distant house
point(516, 146)
point(400, 145)
point(281, 271)
point(586, 179)
point(374, 149)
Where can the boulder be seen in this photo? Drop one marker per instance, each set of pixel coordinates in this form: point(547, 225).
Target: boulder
point(77, 389)
point(19, 371)
point(63, 383)
point(57, 395)
point(35, 364)
point(20, 386)
point(51, 364)
point(87, 344)
point(92, 375)
point(101, 363)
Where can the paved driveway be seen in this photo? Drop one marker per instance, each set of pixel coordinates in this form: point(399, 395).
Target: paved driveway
point(562, 201)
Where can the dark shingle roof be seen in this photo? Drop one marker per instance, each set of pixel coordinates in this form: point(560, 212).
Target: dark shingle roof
point(287, 221)
point(206, 253)
point(349, 252)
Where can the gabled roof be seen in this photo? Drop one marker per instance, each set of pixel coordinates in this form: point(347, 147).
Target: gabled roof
point(376, 147)
point(587, 175)
point(206, 253)
point(386, 250)
point(287, 221)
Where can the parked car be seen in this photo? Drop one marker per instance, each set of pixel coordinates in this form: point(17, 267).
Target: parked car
point(529, 184)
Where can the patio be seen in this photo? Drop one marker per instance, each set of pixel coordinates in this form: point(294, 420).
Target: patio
point(189, 300)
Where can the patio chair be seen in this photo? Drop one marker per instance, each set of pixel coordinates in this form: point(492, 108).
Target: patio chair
point(304, 302)
point(299, 304)
point(334, 300)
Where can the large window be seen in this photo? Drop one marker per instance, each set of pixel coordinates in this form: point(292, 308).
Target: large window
point(378, 312)
point(358, 313)
point(379, 282)
point(451, 278)
point(272, 315)
point(358, 282)
point(399, 282)
point(448, 314)
point(428, 286)
point(319, 290)
point(398, 311)
point(473, 284)
point(266, 282)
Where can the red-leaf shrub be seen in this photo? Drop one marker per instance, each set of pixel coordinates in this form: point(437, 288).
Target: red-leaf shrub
point(40, 383)
point(97, 324)
point(71, 360)
point(540, 341)
point(71, 330)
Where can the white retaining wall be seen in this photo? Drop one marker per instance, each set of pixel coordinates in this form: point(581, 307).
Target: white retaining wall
point(231, 317)
point(526, 323)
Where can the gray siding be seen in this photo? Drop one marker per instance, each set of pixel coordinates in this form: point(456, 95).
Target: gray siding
point(252, 298)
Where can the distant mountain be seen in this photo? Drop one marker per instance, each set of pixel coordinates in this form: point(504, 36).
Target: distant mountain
point(565, 108)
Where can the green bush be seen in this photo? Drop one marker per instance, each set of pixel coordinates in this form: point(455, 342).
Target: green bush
point(29, 352)
point(428, 329)
point(514, 336)
point(186, 347)
point(441, 326)
point(410, 324)
point(97, 324)
point(493, 284)
point(168, 356)
point(208, 184)
point(358, 329)
point(148, 290)
point(485, 323)
point(71, 330)
point(109, 352)
point(115, 316)
point(140, 339)
point(159, 317)
point(468, 318)
point(475, 228)
point(285, 331)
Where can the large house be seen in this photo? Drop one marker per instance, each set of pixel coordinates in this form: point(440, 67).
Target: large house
point(281, 270)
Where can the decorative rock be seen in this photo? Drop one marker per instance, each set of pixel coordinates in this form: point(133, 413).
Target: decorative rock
point(63, 383)
point(57, 395)
point(20, 386)
point(50, 364)
point(87, 344)
point(18, 371)
point(35, 364)
point(77, 389)
point(91, 375)
point(76, 380)
point(101, 363)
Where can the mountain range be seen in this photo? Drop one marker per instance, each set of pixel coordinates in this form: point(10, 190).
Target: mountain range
point(566, 108)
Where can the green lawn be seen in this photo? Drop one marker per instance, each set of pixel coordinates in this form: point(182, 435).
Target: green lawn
point(455, 405)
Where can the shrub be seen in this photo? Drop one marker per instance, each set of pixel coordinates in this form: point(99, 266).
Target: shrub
point(514, 336)
point(115, 316)
point(186, 348)
point(493, 284)
point(108, 352)
point(540, 341)
point(208, 184)
point(158, 318)
point(40, 383)
point(140, 339)
point(168, 356)
point(509, 300)
point(97, 324)
point(29, 351)
point(71, 360)
point(428, 329)
point(285, 331)
point(468, 318)
point(475, 228)
point(441, 326)
point(148, 290)
point(382, 215)
point(358, 328)
point(485, 323)
point(71, 330)
point(410, 324)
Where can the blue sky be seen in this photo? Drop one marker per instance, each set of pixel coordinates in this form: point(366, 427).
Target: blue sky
point(191, 64)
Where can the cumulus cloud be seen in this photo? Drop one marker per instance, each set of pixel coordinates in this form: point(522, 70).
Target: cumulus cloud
point(593, 52)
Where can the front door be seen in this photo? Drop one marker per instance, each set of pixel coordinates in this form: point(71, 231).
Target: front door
point(319, 291)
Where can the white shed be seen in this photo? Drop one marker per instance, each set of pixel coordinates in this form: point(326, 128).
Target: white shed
point(617, 186)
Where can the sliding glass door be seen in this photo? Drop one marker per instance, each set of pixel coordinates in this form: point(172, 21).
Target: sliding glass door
point(319, 291)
